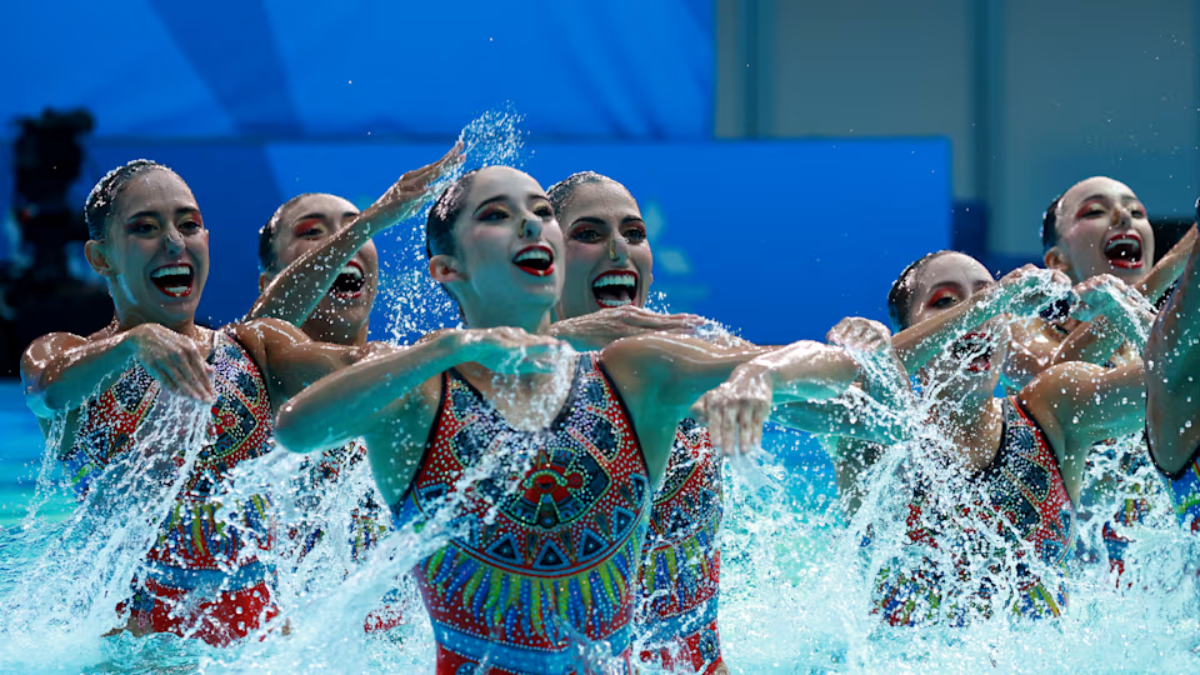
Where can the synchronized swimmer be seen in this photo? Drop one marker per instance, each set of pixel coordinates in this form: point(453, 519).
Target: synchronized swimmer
point(562, 450)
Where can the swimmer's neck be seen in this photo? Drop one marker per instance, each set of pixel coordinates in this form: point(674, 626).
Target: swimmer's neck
point(534, 320)
point(127, 319)
point(965, 416)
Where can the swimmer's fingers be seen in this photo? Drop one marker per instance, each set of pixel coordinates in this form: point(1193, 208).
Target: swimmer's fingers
point(169, 376)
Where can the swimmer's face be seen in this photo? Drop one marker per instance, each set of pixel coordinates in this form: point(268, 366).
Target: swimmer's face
point(608, 259)
point(508, 245)
point(307, 224)
point(1102, 229)
point(155, 254)
point(943, 283)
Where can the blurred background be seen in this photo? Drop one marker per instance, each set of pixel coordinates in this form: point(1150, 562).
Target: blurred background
point(790, 156)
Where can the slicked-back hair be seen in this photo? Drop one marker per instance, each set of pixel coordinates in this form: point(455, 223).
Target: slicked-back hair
point(266, 236)
point(901, 295)
point(439, 224)
point(102, 200)
point(561, 192)
point(1050, 225)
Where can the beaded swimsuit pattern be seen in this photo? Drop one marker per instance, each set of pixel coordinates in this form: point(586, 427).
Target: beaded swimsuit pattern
point(543, 555)
point(204, 577)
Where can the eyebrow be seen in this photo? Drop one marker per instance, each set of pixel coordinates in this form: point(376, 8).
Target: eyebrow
point(308, 216)
point(1123, 198)
point(497, 198)
point(154, 214)
point(591, 220)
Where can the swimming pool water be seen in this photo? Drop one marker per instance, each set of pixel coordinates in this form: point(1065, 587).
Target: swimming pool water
point(21, 452)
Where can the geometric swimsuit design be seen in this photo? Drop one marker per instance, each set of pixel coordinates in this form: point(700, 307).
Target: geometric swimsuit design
point(203, 577)
point(1021, 501)
point(542, 559)
point(681, 571)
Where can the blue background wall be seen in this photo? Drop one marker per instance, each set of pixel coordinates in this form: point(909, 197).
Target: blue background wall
point(778, 239)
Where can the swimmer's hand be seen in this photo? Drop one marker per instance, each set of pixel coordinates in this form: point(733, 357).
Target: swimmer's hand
point(1027, 290)
point(736, 411)
point(511, 351)
point(174, 359)
point(870, 344)
point(1106, 295)
point(599, 329)
point(410, 193)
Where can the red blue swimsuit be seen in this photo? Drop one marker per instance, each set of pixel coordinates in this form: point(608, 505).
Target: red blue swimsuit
point(203, 577)
point(680, 575)
point(543, 555)
point(1184, 489)
point(1021, 497)
point(322, 475)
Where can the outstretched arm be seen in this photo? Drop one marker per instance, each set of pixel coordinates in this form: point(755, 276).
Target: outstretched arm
point(295, 292)
point(349, 402)
point(60, 371)
point(1022, 292)
point(600, 329)
point(877, 417)
point(1172, 360)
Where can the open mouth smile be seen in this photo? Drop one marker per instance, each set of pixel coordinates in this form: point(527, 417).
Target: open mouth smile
point(175, 280)
point(616, 288)
point(976, 349)
point(1124, 251)
point(350, 282)
point(537, 260)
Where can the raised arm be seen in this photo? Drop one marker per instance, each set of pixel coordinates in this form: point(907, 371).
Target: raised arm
point(1167, 270)
point(294, 293)
point(1172, 359)
point(1080, 404)
point(350, 402)
point(60, 371)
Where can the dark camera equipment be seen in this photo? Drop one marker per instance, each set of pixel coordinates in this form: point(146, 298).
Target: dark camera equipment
point(48, 159)
point(39, 295)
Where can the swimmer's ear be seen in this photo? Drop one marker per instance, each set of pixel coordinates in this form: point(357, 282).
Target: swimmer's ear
point(444, 269)
point(1056, 260)
point(97, 257)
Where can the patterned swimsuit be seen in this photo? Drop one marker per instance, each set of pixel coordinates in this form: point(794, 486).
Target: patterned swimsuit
point(1184, 489)
point(326, 474)
point(680, 575)
point(541, 562)
point(203, 577)
point(1021, 501)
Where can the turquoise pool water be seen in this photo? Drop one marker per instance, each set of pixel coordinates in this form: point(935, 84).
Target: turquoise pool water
point(21, 452)
point(796, 589)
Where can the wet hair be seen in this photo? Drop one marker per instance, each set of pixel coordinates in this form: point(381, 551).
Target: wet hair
point(439, 224)
point(560, 192)
point(901, 295)
point(266, 236)
point(1050, 225)
point(103, 198)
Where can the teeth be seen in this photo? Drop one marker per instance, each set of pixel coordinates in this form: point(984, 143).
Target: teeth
point(169, 270)
point(613, 303)
point(628, 280)
point(351, 270)
point(533, 254)
point(1118, 241)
